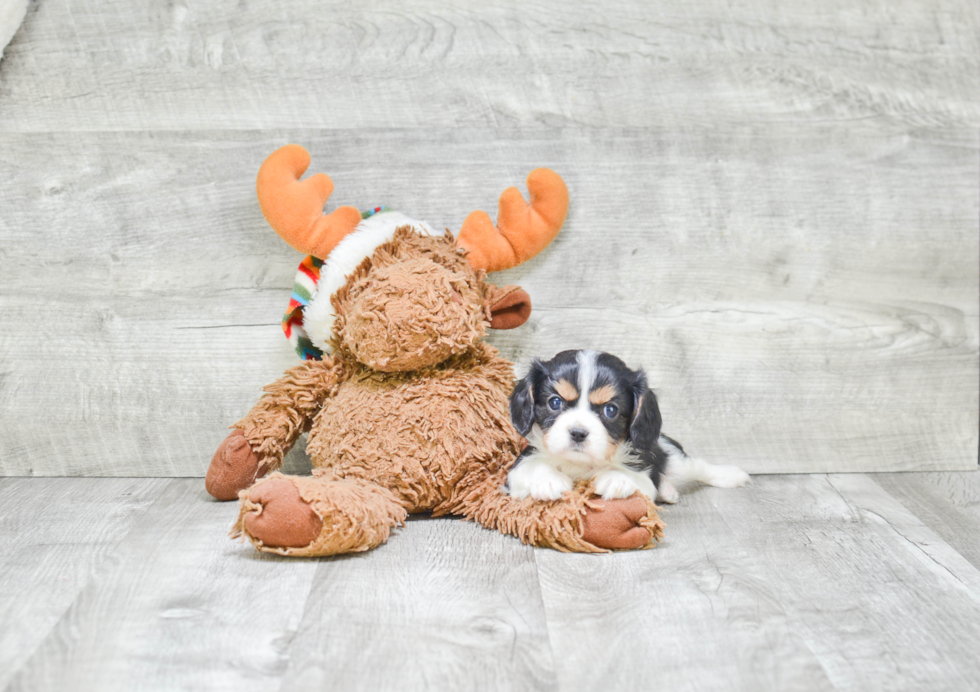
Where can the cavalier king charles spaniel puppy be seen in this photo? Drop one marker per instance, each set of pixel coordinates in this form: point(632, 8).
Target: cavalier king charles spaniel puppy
point(586, 415)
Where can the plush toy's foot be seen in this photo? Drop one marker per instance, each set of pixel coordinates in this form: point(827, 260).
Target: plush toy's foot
point(278, 516)
point(233, 468)
point(316, 516)
point(620, 524)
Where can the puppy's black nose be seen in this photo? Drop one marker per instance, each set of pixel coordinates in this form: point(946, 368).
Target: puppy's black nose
point(578, 434)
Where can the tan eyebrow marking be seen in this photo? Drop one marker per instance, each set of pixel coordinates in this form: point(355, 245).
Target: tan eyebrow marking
point(566, 390)
point(602, 394)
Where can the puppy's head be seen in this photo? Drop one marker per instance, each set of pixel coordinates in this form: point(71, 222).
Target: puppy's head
point(586, 404)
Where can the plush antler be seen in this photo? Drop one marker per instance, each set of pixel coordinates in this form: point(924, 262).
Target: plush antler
point(523, 229)
point(294, 208)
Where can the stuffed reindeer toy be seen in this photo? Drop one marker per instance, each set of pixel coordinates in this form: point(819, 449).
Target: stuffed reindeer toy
point(405, 406)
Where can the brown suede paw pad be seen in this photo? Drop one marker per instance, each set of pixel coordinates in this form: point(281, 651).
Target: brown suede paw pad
point(279, 517)
point(233, 467)
point(615, 524)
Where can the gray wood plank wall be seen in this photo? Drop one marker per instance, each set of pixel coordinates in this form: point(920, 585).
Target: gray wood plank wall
point(774, 210)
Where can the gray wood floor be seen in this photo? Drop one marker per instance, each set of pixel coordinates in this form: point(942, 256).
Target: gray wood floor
point(774, 209)
point(806, 582)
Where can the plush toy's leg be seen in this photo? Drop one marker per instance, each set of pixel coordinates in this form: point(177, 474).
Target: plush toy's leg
point(316, 515)
point(261, 439)
point(578, 522)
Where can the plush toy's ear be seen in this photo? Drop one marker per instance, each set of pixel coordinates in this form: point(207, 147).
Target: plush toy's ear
point(646, 423)
point(508, 307)
point(522, 400)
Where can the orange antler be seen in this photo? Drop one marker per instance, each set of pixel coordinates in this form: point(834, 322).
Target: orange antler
point(294, 209)
point(523, 230)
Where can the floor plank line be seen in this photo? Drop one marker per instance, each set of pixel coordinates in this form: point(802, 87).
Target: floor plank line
point(921, 541)
point(947, 502)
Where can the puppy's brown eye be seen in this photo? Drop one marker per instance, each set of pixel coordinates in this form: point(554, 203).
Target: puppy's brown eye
point(554, 403)
point(610, 410)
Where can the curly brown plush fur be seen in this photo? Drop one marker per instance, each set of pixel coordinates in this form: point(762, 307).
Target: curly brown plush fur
point(409, 414)
point(414, 302)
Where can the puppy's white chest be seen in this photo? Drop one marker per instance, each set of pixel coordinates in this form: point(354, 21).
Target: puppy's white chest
point(543, 476)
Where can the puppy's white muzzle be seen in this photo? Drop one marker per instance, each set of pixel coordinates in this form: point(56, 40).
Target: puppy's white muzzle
point(578, 435)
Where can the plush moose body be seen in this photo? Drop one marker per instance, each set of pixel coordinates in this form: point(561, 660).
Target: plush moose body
point(405, 406)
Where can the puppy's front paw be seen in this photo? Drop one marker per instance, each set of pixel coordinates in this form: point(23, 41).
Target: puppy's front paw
point(540, 481)
point(550, 487)
point(613, 485)
point(667, 492)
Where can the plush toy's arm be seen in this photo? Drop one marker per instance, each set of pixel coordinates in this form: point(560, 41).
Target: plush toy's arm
point(579, 522)
point(260, 440)
point(288, 407)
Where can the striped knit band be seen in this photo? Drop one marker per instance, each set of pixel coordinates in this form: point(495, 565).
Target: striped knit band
point(304, 287)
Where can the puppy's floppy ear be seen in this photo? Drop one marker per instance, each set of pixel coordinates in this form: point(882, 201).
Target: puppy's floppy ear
point(522, 400)
point(646, 423)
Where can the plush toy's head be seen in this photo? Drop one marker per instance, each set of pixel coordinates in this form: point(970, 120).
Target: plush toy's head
point(415, 302)
point(390, 292)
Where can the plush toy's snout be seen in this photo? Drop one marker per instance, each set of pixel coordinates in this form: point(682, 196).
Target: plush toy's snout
point(417, 313)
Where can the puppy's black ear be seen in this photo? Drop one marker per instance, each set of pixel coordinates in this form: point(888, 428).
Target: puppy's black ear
point(522, 400)
point(646, 423)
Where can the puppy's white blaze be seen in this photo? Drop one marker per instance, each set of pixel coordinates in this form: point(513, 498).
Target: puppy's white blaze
point(683, 470)
point(537, 478)
point(586, 377)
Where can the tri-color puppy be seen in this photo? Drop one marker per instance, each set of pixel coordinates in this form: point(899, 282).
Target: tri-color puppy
point(586, 415)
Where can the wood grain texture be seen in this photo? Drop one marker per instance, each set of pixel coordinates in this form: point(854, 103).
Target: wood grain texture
point(54, 536)
point(804, 298)
point(444, 605)
point(697, 611)
point(11, 15)
point(260, 65)
point(802, 582)
point(177, 606)
point(794, 583)
point(948, 503)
